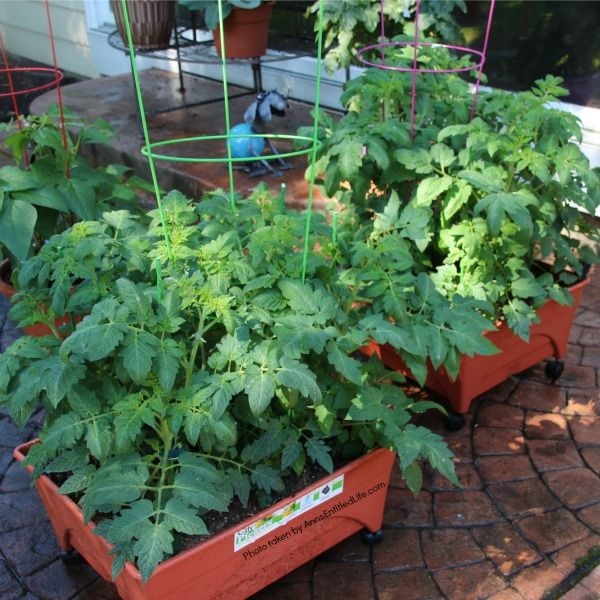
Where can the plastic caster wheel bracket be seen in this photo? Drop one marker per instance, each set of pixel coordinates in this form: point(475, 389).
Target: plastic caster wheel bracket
point(454, 421)
point(371, 537)
point(554, 369)
point(71, 557)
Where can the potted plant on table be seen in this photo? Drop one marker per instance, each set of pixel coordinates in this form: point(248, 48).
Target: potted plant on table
point(493, 208)
point(151, 22)
point(245, 24)
point(206, 374)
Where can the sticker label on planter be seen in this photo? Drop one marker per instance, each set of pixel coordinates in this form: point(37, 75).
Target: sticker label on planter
point(280, 517)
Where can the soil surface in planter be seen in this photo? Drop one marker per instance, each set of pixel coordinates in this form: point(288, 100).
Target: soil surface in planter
point(216, 521)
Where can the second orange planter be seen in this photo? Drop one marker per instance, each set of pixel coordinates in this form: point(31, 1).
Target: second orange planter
point(478, 374)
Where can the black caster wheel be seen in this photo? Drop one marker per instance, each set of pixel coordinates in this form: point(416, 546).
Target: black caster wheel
point(454, 421)
point(371, 537)
point(71, 557)
point(554, 369)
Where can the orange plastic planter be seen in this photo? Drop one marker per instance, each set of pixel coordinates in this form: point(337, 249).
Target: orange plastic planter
point(38, 329)
point(249, 556)
point(478, 374)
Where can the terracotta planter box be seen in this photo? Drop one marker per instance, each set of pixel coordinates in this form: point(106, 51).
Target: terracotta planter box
point(241, 560)
point(478, 374)
point(39, 329)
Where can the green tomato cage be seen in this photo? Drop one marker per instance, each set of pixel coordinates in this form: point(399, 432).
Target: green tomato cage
point(152, 149)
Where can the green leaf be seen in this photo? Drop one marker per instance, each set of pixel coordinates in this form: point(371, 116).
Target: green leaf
point(350, 158)
point(189, 487)
point(151, 548)
point(68, 461)
point(318, 451)
point(526, 287)
point(303, 299)
point(93, 339)
point(378, 151)
point(259, 385)
point(78, 481)
point(436, 451)
point(240, 483)
point(182, 518)
point(385, 332)
point(388, 219)
point(290, 454)
point(436, 346)
point(432, 188)
point(456, 199)
point(112, 487)
point(519, 316)
point(442, 155)
point(17, 224)
point(488, 181)
point(132, 523)
point(131, 414)
point(139, 348)
point(298, 376)
point(298, 335)
point(417, 160)
point(81, 198)
point(413, 475)
point(267, 479)
point(99, 438)
point(63, 432)
point(367, 405)
point(133, 298)
point(166, 362)
point(408, 444)
point(349, 367)
point(15, 179)
point(56, 376)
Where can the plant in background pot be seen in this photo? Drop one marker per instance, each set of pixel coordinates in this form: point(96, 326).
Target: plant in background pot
point(492, 209)
point(351, 24)
point(245, 24)
point(51, 186)
point(205, 383)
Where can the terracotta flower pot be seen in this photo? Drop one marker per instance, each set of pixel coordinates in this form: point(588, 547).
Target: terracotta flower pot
point(241, 560)
point(478, 374)
point(151, 22)
point(246, 32)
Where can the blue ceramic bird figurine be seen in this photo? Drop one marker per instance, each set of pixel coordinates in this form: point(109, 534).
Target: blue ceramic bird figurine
point(265, 105)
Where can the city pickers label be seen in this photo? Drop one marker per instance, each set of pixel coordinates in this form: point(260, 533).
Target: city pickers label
point(280, 517)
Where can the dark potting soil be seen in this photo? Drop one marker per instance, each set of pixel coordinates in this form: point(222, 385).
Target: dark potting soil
point(215, 521)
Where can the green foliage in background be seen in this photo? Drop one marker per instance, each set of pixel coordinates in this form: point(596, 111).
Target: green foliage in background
point(58, 186)
point(348, 25)
point(476, 204)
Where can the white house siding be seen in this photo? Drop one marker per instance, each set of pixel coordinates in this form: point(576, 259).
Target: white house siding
point(24, 27)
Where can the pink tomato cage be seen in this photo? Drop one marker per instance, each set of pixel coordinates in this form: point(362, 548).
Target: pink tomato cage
point(415, 69)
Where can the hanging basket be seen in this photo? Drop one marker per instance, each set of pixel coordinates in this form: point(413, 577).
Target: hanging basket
point(151, 22)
